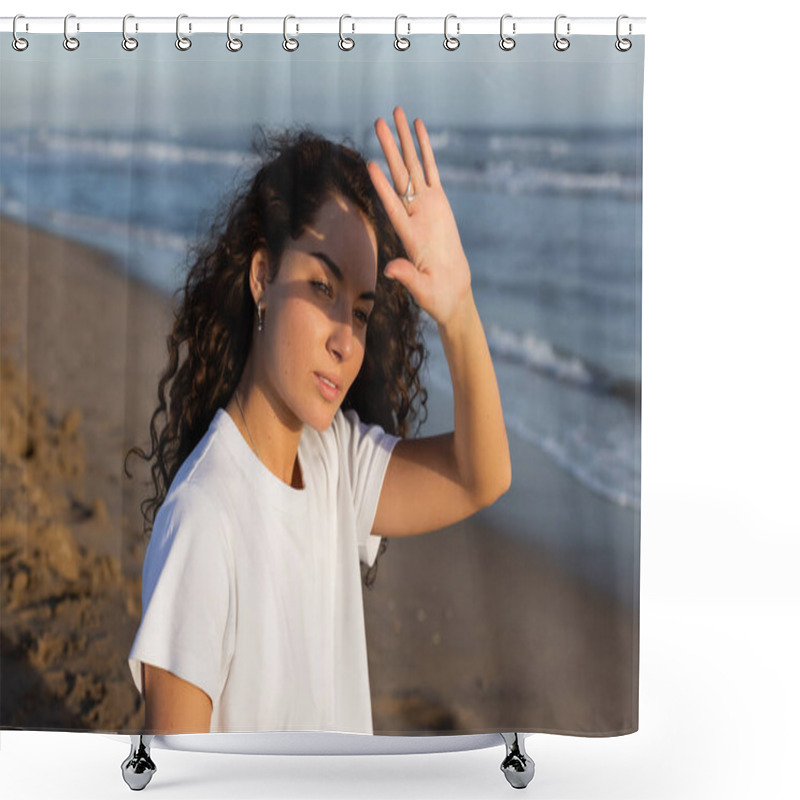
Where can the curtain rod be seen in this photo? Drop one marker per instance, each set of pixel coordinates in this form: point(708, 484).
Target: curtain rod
point(407, 26)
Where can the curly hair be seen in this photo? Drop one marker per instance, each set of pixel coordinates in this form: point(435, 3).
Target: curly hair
point(214, 311)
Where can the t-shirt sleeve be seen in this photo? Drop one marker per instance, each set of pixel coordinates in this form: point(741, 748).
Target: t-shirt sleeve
point(367, 449)
point(188, 599)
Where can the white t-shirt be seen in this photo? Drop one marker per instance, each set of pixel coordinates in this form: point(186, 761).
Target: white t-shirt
point(251, 589)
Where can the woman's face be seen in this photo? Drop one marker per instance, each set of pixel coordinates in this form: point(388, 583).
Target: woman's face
point(315, 315)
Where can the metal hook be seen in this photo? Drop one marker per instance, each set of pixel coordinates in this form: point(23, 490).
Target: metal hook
point(623, 45)
point(233, 44)
point(451, 42)
point(182, 42)
point(70, 42)
point(128, 43)
point(19, 44)
point(289, 44)
point(507, 42)
point(400, 42)
point(561, 43)
point(345, 43)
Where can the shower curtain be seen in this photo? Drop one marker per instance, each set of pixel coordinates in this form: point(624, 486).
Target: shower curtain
point(113, 166)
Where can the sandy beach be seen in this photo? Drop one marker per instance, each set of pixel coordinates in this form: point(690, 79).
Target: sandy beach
point(468, 629)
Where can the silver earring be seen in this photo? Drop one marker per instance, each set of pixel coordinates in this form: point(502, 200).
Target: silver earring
point(260, 316)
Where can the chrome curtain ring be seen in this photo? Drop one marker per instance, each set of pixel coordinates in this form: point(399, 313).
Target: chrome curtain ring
point(289, 44)
point(18, 43)
point(623, 45)
point(507, 42)
point(70, 42)
point(451, 42)
point(400, 42)
point(128, 43)
point(561, 43)
point(345, 43)
point(181, 42)
point(233, 44)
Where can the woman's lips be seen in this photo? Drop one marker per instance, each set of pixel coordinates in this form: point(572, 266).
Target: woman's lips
point(328, 388)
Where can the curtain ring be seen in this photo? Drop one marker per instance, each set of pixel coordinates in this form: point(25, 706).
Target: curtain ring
point(507, 42)
point(623, 45)
point(233, 44)
point(128, 43)
point(451, 42)
point(182, 42)
point(70, 42)
point(19, 44)
point(561, 43)
point(345, 43)
point(400, 42)
point(289, 44)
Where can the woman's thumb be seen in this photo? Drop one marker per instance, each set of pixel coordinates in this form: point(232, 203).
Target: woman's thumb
point(402, 270)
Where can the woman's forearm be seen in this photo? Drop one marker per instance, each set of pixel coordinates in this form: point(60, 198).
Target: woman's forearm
point(481, 442)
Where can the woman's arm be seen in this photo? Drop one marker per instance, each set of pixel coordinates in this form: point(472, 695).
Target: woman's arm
point(172, 705)
point(438, 480)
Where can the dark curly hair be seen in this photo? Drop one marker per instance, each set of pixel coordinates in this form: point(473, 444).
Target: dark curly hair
point(214, 311)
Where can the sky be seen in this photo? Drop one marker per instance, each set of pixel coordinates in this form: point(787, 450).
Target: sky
point(102, 85)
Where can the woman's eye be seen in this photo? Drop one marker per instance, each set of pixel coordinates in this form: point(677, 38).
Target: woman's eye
point(322, 287)
point(362, 317)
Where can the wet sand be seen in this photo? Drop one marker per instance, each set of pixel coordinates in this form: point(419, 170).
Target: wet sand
point(468, 630)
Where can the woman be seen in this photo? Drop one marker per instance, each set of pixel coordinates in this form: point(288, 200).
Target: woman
point(278, 453)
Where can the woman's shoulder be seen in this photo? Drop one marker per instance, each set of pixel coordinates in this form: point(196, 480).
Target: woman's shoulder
point(345, 426)
point(199, 484)
point(348, 438)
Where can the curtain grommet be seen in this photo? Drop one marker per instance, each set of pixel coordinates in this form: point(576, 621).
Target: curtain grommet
point(289, 44)
point(400, 42)
point(128, 42)
point(233, 44)
point(71, 43)
point(183, 43)
point(451, 42)
point(18, 43)
point(561, 43)
point(507, 42)
point(623, 45)
point(345, 42)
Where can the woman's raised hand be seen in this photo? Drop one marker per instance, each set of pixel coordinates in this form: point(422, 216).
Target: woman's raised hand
point(437, 272)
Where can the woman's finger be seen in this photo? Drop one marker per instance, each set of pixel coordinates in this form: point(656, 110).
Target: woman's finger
point(395, 209)
point(409, 150)
point(428, 161)
point(397, 169)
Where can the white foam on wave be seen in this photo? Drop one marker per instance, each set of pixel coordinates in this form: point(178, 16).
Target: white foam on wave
point(102, 230)
point(590, 467)
point(509, 177)
point(538, 354)
point(602, 461)
point(141, 150)
point(552, 146)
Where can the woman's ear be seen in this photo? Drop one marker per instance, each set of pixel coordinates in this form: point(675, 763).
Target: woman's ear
point(259, 273)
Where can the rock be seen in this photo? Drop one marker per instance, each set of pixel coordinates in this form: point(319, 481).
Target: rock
point(61, 552)
point(71, 423)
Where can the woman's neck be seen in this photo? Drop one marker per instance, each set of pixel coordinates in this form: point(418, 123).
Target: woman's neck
point(274, 440)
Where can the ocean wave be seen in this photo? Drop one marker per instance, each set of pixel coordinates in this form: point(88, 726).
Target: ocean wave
point(543, 357)
point(118, 230)
point(108, 149)
point(509, 177)
point(605, 467)
point(591, 467)
point(552, 146)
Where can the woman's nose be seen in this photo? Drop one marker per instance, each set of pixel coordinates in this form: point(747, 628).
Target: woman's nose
point(340, 342)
